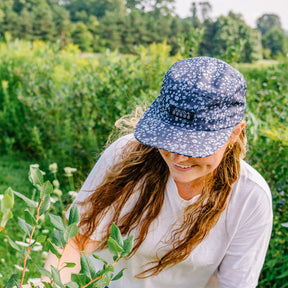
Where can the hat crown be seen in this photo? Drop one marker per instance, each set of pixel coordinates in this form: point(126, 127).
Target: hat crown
point(202, 94)
point(202, 99)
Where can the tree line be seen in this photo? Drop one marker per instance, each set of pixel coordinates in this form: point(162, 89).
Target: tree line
point(95, 25)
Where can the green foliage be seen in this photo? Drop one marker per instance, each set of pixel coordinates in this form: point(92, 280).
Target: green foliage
point(267, 137)
point(6, 205)
point(121, 26)
point(275, 41)
point(63, 232)
point(66, 106)
point(233, 40)
point(189, 44)
point(267, 22)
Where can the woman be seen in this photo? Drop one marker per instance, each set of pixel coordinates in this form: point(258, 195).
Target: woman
point(201, 216)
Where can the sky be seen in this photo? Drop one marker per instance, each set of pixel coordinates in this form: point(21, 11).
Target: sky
point(250, 9)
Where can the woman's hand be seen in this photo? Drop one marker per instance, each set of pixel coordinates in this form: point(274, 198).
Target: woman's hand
point(71, 253)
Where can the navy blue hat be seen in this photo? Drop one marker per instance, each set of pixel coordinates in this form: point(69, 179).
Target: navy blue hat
point(202, 99)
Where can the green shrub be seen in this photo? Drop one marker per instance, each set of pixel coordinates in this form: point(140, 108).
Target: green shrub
point(57, 105)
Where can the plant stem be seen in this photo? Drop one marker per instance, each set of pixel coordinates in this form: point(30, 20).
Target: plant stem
point(30, 240)
point(116, 260)
point(92, 281)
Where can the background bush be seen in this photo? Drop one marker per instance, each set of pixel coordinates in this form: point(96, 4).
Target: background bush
point(62, 107)
point(57, 106)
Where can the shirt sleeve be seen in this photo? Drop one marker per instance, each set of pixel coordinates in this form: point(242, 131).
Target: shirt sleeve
point(244, 258)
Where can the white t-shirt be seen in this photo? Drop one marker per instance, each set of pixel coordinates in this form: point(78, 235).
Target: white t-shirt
point(232, 254)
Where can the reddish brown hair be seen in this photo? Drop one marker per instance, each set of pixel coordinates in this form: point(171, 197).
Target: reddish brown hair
point(142, 170)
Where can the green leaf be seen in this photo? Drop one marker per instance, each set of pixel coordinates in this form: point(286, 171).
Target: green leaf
point(80, 278)
point(119, 275)
point(41, 238)
point(9, 192)
point(47, 284)
point(46, 189)
point(35, 176)
point(29, 218)
point(13, 244)
point(87, 267)
point(29, 202)
point(74, 215)
point(54, 250)
point(116, 234)
point(113, 246)
point(6, 216)
point(57, 238)
point(69, 265)
point(27, 228)
point(70, 232)
point(127, 245)
point(105, 280)
point(57, 222)
point(43, 271)
point(12, 281)
point(72, 285)
point(56, 276)
point(285, 225)
point(101, 259)
point(6, 202)
point(45, 205)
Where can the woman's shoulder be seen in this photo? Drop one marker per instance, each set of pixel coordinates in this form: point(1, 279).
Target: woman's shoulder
point(114, 149)
point(251, 192)
point(250, 177)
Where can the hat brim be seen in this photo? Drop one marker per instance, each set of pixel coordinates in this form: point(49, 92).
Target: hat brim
point(151, 130)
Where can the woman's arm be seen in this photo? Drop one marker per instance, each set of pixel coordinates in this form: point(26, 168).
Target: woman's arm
point(71, 253)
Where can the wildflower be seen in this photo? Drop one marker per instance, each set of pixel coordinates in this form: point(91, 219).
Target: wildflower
point(34, 280)
point(57, 192)
point(20, 268)
point(69, 171)
point(72, 194)
point(44, 254)
point(37, 166)
point(53, 200)
point(34, 165)
point(2, 260)
point(53, 168)
point(42, 217)
point(20, 243)
point(1, 275)
point(37, 247)
point(1, 196)
point(45, 231)
point(56, 183)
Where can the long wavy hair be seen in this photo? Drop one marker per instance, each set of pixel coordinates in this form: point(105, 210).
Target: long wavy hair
point(142, 170)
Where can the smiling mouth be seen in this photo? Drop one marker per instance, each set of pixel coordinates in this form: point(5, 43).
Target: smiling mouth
point(182, 166)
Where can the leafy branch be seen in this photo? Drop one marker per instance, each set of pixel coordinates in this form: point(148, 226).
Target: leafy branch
point(63, 232)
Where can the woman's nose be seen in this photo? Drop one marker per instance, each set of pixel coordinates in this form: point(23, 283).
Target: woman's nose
point(178, 158)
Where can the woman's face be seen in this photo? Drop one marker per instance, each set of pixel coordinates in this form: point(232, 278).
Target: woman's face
point(189, 170)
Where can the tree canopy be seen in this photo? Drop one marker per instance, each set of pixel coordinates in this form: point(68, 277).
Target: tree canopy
point(95, 25)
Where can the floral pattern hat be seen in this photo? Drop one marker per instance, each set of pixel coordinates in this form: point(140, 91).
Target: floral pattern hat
point(202, 99)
